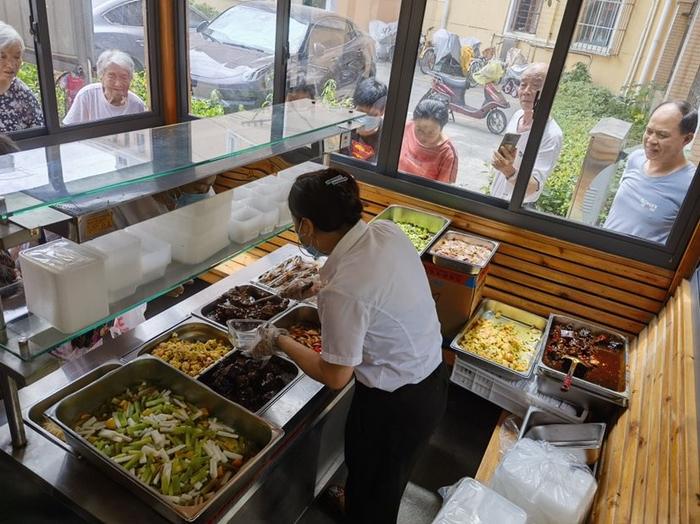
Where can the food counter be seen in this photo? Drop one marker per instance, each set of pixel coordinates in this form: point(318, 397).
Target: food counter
point(311, 416)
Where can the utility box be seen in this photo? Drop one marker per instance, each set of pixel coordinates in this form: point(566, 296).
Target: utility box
point(456, 296)
point(607, 138)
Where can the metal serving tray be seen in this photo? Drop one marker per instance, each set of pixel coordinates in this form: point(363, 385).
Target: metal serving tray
point(280, 360)
point(191, 330)
point(263, 434)
point(461, 265)
point(298, 314)
point(35, 417)
point(208, 308)
point(277, 288)
point(582, 392)
point(490, 307)
point(436, 224)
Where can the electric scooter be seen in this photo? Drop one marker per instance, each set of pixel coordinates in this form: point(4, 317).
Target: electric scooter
point(451, 90)
point(511, 80)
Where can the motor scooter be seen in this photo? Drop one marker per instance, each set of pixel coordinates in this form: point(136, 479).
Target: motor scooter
point(451, 90)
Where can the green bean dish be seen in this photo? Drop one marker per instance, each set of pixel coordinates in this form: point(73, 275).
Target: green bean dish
point(419, 236)
point(167, 443)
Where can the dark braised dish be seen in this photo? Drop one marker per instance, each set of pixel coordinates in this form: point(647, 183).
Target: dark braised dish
point(249, 382)
point(239, 302)
point(601, 355)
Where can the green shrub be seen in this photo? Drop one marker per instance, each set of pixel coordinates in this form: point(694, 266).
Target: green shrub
point(578, 106)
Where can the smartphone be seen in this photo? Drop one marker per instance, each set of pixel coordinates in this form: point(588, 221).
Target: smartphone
point(510, 140)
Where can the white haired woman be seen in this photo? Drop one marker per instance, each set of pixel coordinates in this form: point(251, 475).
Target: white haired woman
point(19, 109)
point(110, 97)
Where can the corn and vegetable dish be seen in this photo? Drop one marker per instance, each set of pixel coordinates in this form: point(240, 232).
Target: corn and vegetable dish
point(166, 443)
point(190, 357)
point(504, 343)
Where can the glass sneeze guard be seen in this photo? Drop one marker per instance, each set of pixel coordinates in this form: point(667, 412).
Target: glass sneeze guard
point(62, 173)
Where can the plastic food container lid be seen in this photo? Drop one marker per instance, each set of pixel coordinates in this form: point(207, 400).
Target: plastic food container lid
point(60, 256)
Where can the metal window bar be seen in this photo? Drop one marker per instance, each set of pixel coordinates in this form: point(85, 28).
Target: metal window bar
point(526, 16)
point(53, 132)
point(602, 26)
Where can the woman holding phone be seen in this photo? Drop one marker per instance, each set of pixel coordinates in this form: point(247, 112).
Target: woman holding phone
point(506, 160)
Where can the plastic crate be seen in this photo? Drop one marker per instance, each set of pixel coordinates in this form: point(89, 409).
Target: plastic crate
point(515, 396)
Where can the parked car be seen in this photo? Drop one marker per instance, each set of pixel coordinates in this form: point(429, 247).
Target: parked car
point(118, 24)
point(234, 53)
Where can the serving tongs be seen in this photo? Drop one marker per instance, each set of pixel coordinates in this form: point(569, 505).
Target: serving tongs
point(575, 362)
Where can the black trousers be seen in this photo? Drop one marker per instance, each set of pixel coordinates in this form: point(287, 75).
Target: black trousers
point(385, 434)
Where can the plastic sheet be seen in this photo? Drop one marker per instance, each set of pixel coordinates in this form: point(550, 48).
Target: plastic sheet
point(547, 482)
point(470, 502)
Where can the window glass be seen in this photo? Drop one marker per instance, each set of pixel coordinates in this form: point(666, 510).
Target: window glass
point(623, 166)
point(100, 59)
point(20, 94)
point(466, 94)
point(346, 61)
point(231, 54)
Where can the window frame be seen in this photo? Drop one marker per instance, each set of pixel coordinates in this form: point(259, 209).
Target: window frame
point(385, 174)
point(605, 50)
point(513, 12)
point(53, 132)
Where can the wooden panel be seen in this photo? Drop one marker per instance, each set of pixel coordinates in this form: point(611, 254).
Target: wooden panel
point(168, 61)
point(689, 261)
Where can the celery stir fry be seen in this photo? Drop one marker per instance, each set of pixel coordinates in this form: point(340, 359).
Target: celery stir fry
point(419, 236)
point(166, 443)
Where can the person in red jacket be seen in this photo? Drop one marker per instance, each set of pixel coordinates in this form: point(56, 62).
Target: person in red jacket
point(425, 150)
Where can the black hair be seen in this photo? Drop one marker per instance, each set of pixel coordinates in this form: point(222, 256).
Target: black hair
point(330, 198)
point(689, 115)
point(7, 145)
point(433, 110)
point(370, 93)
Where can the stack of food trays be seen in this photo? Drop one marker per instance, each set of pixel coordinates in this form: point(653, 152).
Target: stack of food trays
point(604, 382)
point(502, 339)
point(463, 252)
point(421, 227)
point(178, 446)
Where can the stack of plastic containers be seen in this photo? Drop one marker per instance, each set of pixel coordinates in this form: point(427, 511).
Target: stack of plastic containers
point(122, 255)
point(195, 232)
point(156, 254)
point(66, 284)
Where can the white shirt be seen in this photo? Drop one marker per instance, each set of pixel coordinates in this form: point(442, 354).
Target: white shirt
point(90, 104)
point(545, 162)
point(377, 312)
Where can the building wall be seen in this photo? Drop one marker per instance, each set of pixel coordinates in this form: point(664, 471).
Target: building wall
point(674, 42)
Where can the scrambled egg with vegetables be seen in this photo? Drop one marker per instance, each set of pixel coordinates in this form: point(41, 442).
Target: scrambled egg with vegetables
point(190, 357)
point(502, 343)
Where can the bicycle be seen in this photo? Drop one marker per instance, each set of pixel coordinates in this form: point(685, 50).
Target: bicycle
point(426, 52)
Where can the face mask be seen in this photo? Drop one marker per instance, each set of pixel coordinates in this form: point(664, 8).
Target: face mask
point(186, 199)
point(370, 123)
point(307, 249)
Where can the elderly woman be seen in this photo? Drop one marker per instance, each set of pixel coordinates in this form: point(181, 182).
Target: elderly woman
point(110, 97)
point(19, 109)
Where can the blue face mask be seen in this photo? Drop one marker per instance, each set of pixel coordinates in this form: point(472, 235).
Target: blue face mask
point(308, 250)
point(186, 199)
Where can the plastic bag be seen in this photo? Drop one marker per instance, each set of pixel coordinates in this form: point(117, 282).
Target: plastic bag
point(491, 72)
point(470, 502)
point(549, 483)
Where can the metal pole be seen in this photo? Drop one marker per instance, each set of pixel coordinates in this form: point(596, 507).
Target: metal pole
point(8, 386)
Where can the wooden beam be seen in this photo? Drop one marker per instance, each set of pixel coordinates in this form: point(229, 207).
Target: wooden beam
point(167, 37)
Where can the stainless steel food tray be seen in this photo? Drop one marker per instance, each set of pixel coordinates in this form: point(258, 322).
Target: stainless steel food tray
point(436, 224)
point(192, 329)
point(290, 365)
point(300, 313)
point(462, 266)
point(263, 434)
point(276, 289)
point(511, 314)
point(34, 416)
point(582, 392)
point(203, 311)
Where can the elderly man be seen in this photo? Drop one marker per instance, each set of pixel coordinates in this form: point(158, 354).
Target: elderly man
point(657, 177)
point(507, 159)
point(110, 97)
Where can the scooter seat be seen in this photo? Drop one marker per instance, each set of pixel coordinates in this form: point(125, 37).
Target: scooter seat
point(455, 82)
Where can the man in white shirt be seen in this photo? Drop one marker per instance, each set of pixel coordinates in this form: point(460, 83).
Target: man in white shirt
point(110, 97)
point(507, 159)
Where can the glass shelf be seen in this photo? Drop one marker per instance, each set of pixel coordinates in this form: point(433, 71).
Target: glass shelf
point(43, 337)
point(151, 160)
